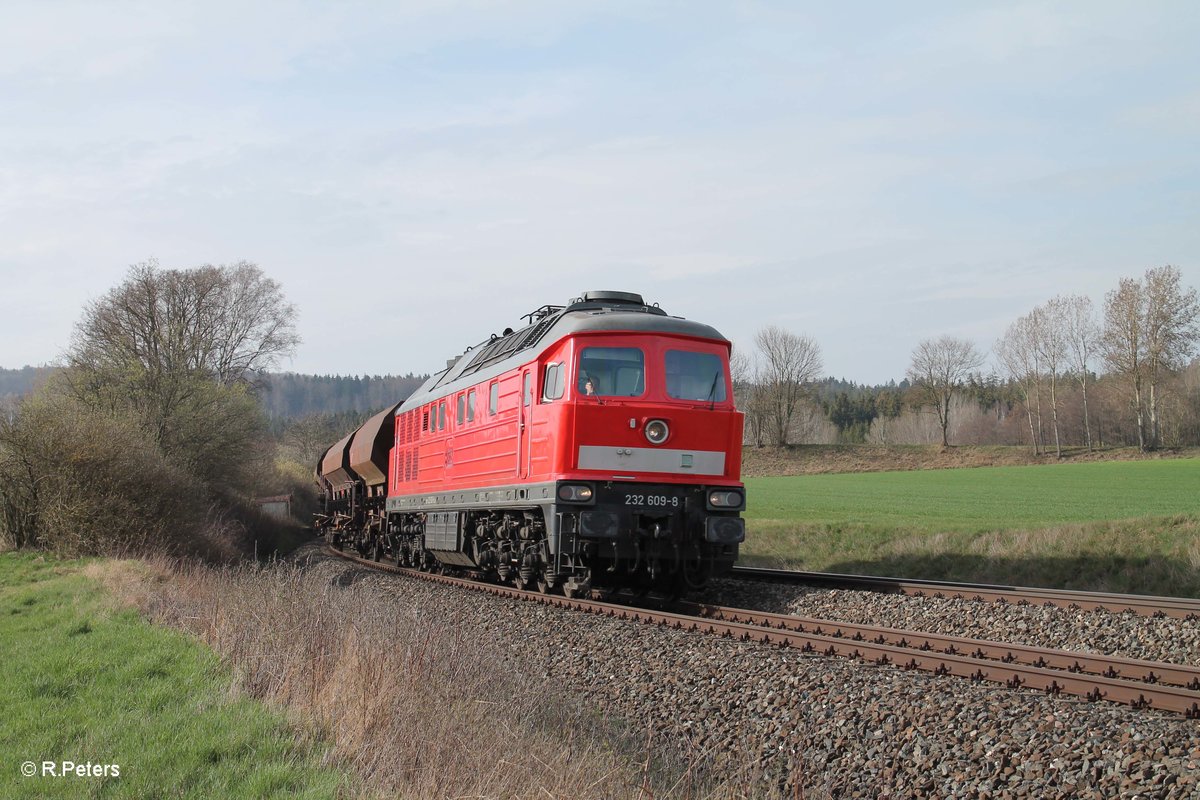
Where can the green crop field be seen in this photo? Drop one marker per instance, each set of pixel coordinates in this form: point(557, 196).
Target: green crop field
point(1128, 525)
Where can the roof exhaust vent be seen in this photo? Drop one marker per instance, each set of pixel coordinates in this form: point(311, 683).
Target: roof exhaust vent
point(623, 298)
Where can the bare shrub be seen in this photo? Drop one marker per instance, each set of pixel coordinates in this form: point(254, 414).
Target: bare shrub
point(968, 424)
point(910, 427)
point(809, 425)
point(81, 481)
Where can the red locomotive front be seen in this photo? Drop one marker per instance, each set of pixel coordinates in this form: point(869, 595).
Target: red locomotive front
point(597, 446)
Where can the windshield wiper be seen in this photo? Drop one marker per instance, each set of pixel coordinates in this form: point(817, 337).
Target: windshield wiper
point(712, 393)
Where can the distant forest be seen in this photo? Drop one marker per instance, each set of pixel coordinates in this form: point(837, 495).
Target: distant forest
point(16, 382)
point(284, 395)
point(288, 395)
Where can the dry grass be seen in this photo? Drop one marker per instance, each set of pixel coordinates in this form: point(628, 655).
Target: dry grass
point(1157, 557)
point(413, 705)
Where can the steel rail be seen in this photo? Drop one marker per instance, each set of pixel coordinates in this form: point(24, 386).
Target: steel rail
point(1014, 675)
point(1145, 605)
point(1072, 661)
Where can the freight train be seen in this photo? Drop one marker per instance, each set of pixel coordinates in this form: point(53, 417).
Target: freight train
point(597, 446)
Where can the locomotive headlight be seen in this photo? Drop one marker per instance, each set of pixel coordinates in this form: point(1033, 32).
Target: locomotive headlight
point(725, 498)
point(575, 493)
point(657, 431)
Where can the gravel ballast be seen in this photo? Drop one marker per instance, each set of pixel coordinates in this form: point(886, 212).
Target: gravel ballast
point(1127, 634)
point(829, 726)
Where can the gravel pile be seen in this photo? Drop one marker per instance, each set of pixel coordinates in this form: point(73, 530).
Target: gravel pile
point(813, 725)
point(1175, 641)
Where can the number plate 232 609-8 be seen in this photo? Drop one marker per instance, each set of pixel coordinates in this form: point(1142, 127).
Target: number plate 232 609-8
point(652, 500)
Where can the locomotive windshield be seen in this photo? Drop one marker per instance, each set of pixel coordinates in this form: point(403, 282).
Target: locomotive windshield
point(612, 372)
point(695, 376)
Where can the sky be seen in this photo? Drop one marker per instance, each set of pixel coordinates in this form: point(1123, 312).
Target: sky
point(419, 175)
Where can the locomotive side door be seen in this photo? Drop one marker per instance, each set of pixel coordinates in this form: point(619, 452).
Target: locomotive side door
point(525, 423)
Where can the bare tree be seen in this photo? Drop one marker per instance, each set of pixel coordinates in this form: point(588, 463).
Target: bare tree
point(308, 437)
point(743, 373)
point(1150, 329)
point(225, 323)
point(939, 367)
point(1172, 328)
point(1019, 356)
point(1083, 339)
point(179, 349)
point(1123, 345)
point(788, 363)
point(1047, 326)
point(741, 368)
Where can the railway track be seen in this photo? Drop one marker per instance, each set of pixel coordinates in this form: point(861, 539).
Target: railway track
point(1145, 605)
point(1139, 684)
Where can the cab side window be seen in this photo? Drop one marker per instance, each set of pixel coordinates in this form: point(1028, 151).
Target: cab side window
point(552, 383)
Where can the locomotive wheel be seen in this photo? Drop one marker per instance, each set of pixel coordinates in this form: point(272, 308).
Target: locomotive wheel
point(544, 584)
point(376, 550)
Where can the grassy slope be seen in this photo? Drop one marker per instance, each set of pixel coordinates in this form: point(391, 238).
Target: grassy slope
point(85, 681)
point(1129, 525)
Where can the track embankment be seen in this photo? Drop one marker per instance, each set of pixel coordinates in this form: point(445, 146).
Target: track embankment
point(833, 724)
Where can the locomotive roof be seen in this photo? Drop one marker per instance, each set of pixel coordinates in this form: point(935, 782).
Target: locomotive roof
point(593, 312)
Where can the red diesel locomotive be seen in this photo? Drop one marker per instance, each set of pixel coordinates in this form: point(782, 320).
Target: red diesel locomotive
point(598, 446)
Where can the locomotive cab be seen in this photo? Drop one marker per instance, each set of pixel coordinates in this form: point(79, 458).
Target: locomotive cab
point(649, 485)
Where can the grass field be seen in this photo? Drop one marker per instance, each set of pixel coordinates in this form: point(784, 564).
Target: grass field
point(85, 681)
point(1128, 525)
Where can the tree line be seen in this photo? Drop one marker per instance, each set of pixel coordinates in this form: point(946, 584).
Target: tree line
point(1063, 374)
point(284, 395)
point(290, 395)
point(1145, 336)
